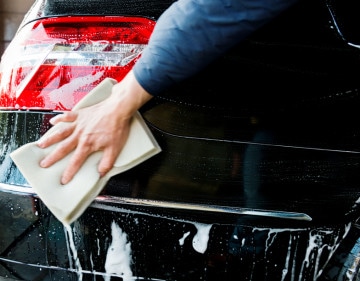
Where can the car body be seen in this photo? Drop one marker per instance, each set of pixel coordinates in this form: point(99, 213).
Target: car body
point(258, 178)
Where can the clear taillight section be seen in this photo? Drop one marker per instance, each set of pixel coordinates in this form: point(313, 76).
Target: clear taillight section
point(52, 63)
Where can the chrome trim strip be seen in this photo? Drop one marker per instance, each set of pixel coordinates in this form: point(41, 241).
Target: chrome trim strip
point(175, 205)
point(203, 207)
point(26, 190)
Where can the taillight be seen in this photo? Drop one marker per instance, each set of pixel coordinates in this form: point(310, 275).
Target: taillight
point(54, 62)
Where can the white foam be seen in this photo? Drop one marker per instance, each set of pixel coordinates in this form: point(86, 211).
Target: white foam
point(118, 257)
point(182, 239)
point(201, 238)
point(71, 244)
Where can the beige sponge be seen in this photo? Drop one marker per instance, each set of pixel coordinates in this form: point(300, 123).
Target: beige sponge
point(68, 202)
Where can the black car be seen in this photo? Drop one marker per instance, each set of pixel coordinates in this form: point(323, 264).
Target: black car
point(259, 174)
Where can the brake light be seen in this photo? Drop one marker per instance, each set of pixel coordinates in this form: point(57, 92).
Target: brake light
point(54, 62)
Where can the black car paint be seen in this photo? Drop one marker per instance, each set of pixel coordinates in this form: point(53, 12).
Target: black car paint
point(272, 125)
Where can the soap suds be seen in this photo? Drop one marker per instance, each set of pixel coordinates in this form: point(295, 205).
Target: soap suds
point(182, 239)
point(71, 243)
point(200, 240)
point(118, 257)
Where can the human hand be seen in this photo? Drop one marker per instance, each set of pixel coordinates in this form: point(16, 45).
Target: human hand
point(101, 127)
point(86, 131)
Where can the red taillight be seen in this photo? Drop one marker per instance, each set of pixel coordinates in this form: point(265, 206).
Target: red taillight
point(53, 63)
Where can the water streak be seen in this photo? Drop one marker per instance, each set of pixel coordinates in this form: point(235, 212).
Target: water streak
point(71, 243)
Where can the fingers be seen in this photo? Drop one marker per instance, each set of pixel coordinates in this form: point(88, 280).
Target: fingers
point(82, 152)
point(69, 116)
point(64, 129)
point(112, 150)
point(63, 148)
point(76, 161)
point(61, 132)
point(107, 161)
point(100, 127)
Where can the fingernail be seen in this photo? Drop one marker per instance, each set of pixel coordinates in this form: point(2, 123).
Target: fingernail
point(52, 120)
point(42, 164)
point(64, 180)
point(40, 143)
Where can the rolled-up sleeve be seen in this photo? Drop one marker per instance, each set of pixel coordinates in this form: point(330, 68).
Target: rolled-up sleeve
point(192, 33)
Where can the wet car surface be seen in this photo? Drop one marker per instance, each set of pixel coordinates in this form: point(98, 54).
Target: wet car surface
point(257, 178)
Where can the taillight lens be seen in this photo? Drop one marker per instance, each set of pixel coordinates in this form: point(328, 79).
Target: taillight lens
point(54, 62)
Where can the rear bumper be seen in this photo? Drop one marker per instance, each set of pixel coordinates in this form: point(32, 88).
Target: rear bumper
point(160, 244)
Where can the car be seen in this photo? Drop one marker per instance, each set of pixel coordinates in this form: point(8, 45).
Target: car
point(258, 177)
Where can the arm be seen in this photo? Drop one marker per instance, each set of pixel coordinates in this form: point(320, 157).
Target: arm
point(193, 33)
point(188, 36)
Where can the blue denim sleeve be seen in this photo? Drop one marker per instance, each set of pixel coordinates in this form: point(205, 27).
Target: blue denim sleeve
point(192, 33)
